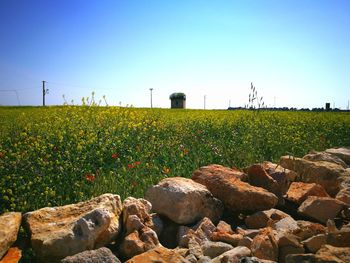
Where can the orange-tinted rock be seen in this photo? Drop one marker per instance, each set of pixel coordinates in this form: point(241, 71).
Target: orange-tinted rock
point(13, 255)
point(232, 191)
point(258, 176)
point(282, 176)
point(299, 191)
point(222, 171)
point(308, 229)
point(260, 219)
point(9, 226)
point(344, 195)
point(321, 208)
point(265, 245)
point(158, 255)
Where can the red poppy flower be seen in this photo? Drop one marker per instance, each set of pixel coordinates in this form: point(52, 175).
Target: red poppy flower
point(130, 166)
point(90, 177)
point(137, 163)
point(114, 155)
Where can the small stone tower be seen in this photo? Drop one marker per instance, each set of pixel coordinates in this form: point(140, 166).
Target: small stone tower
point(178, 100)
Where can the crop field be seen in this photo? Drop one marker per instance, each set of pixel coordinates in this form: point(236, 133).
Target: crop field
point(58, 155)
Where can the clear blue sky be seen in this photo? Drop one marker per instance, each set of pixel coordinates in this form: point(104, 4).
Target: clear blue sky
point(295, 51)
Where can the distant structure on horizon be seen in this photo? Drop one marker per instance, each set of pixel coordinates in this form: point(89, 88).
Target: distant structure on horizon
point(178, 100)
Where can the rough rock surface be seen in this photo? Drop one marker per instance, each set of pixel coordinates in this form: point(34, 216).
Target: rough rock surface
point(200, 232)
point(260, 219)
point(184, 201)
point(326, 157)
point(328, 175)
point(138, 223)
point(342, 152)
point(313, 244)
point(58, 232)
point(233, 255)
point(308, 229)
point(9, 226)
point(224, 233)
point(328, 252)
point(282, 175)
point(258, 176)
point(344, 195)
point(265, 245)
point(231, 191)
point(101, 255)
point(13, 255)
point(299, 191)
point(321, 208)
point(214, 249)
point(159, 255)
point(339, 238)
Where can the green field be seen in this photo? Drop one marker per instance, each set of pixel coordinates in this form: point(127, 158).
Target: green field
point(58, 155)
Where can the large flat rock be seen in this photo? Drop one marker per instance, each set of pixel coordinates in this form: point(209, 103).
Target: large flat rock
point(234, 193)
point(321, 208)
point(58, 232)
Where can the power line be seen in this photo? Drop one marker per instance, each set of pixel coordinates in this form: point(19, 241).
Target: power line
point(16, 92)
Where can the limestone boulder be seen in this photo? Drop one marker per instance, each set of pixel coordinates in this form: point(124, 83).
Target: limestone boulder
point(139, 235)
point(231, 191)
point(336, 254)
point(224, 233)
point(344, 195)
point(258, 176)
point(326, 157)
point(101, 255)
point(200, 232)
point(260, 219)
point(265, 245)
point(224, 172)
point(214, 249)
point(339, 238)
point(342, 152)
point(299, 191)
point(313, 244)
point(159, 255)
point(307, 229)
point(184, 201)
point(58, 232)
point(233, 256)
point(286, 225)
point(282, 176)
point(321, 208)
point(9, 226)
point(328, 175)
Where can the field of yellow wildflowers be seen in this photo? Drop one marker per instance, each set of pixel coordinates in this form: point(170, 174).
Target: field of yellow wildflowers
point(58, 155)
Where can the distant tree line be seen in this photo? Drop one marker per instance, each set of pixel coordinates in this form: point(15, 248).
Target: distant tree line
point(288, 109)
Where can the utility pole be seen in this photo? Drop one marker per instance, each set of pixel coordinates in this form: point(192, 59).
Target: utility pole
point(348, 105)
point(204, 100)
point(151, 89)
point(44, 92)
